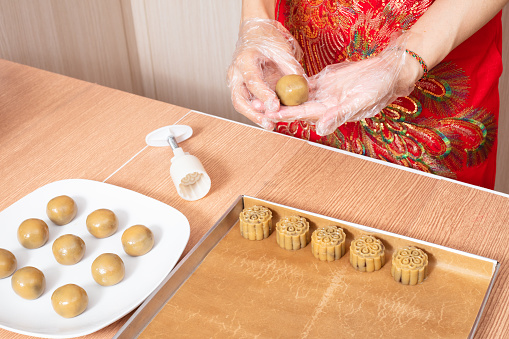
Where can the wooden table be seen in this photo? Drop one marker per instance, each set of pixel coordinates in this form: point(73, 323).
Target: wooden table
point(53, 128)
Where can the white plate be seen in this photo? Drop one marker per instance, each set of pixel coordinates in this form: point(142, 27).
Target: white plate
point(106, 304)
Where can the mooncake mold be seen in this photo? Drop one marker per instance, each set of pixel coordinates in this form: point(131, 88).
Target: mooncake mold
point(191, 179)
point(367, 253)
point(409, 265)
point(328, 243)
point(292, 233)
point(255, 222)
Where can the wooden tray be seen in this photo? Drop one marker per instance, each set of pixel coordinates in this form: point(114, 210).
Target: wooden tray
point(228, 286)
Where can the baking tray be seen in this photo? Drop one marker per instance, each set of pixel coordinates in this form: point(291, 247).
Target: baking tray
point(228, 286)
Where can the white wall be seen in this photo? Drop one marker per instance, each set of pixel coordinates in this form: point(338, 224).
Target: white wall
point(81, 39)
point(190, 46)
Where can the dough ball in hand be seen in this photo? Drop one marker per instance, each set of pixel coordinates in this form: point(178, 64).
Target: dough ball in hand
point(292, 90)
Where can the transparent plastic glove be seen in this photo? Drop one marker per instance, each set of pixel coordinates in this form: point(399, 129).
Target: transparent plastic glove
point(355, 90)
point(265, 52)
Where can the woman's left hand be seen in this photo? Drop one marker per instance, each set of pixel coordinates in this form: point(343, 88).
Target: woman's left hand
point(355, 90)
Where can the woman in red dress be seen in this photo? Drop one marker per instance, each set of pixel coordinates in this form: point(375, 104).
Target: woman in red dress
point(411, 82)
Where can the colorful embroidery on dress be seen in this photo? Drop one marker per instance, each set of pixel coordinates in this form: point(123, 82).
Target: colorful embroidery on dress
point(444, 91)
point(430, 130)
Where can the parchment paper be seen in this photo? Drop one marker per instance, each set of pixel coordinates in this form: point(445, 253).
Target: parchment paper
point(256, 289)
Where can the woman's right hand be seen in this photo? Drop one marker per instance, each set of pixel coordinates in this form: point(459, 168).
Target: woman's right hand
point(265, 52)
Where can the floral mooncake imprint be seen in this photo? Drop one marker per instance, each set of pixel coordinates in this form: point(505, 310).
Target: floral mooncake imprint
point(409, 265)
point(255, 223)
point(328, 243)
point(292, 233)
point(367, 253)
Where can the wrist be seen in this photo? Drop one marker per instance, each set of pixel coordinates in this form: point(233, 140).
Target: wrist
point(411, 72)
point(428, 49)
point(423, 66)
point(262, 9)
point(410, 67)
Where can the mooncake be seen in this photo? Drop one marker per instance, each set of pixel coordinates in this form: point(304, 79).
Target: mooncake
point(367, 253)
point(409, 265)
point(255, 223)
point(328, 243)
point(292, 233)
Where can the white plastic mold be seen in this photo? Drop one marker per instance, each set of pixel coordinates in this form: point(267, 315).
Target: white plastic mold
point(187, 172)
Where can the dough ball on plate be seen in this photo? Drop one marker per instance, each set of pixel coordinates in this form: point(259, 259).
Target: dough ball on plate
point(28, 282)
point(33, 233)
point(61, 210)
point(137, 240)
point(102, 223)
point(69, 300)
point(8, 263)
point(68, 249)
point(108, 269)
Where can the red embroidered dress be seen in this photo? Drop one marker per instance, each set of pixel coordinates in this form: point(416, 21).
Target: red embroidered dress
point(446, 126)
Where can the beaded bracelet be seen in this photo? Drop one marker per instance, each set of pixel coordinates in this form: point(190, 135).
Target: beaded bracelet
point(421, 61)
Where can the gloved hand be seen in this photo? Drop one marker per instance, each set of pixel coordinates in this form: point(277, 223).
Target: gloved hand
point(355, 90)
point(265, 52)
